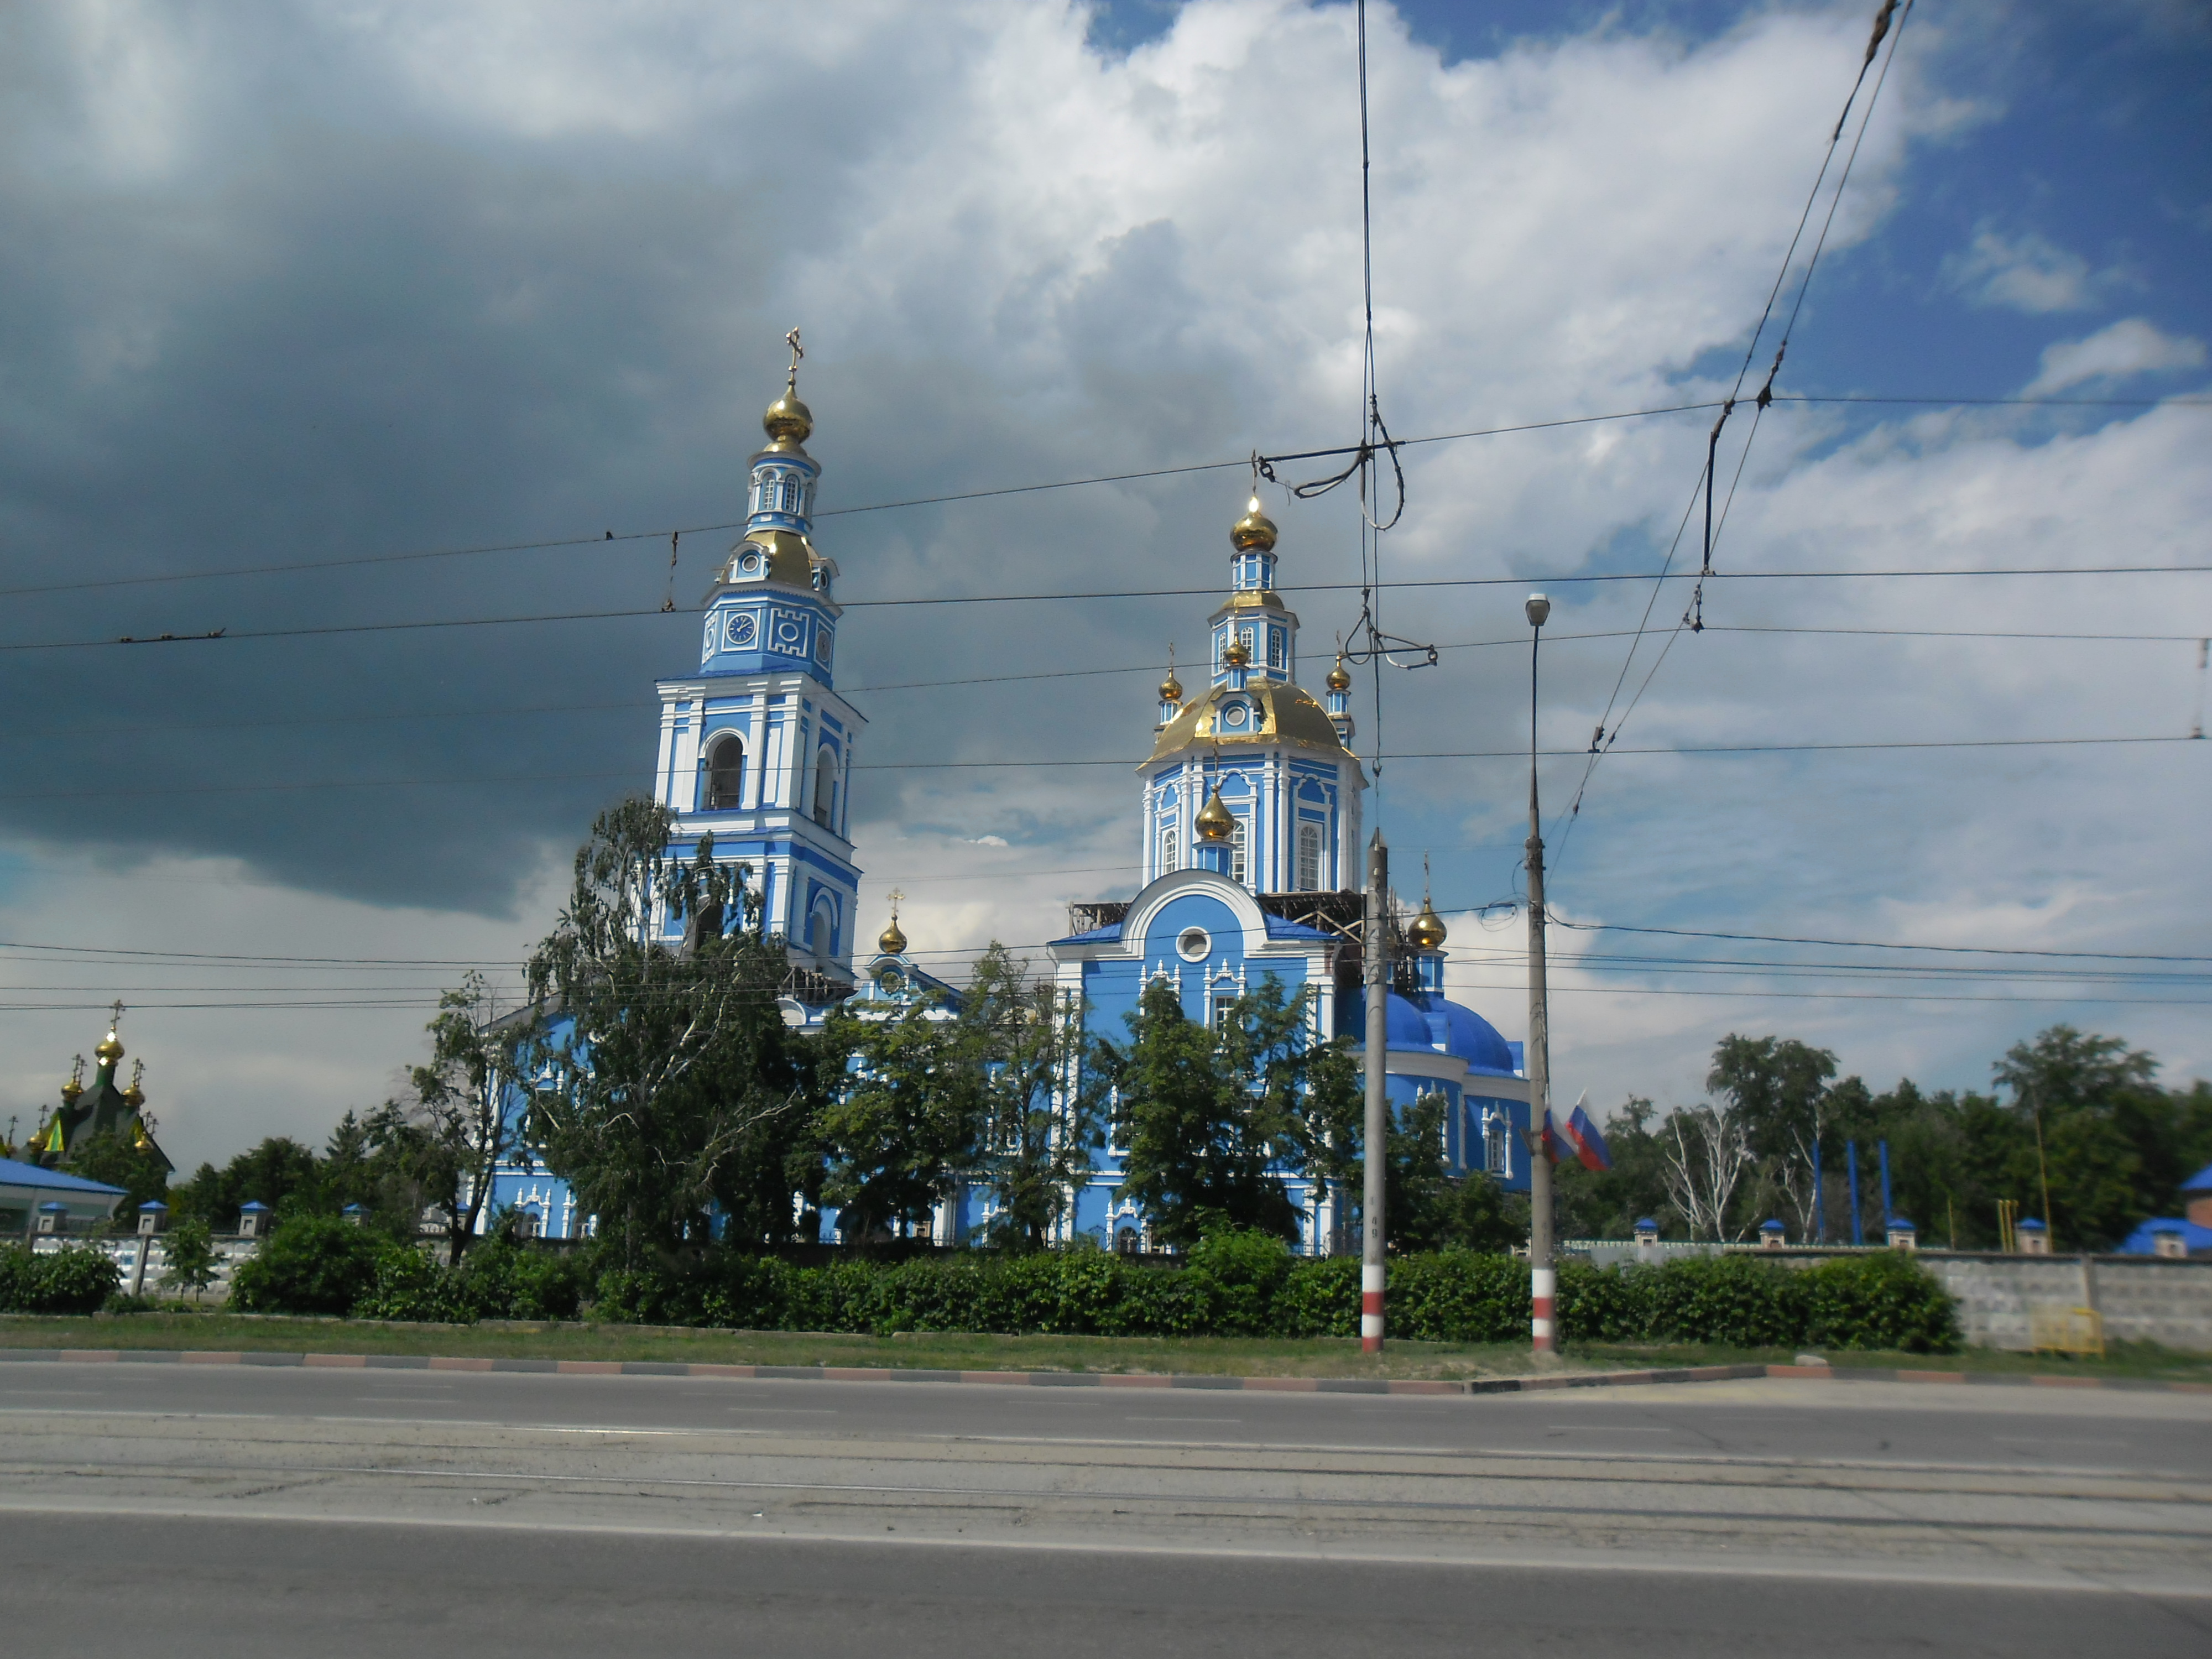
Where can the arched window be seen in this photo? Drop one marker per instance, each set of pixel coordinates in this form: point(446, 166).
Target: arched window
point(1168, 850)
point(820, 936)
point(725, 774)
point(1237, 849)
point(1310, 858)
point(825, 787)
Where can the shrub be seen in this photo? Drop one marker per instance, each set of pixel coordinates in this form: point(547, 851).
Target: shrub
point(1456, 1296)
point(310, 1264)
point(74, 1280)
point(1884, 1301)
point(1237, 1273)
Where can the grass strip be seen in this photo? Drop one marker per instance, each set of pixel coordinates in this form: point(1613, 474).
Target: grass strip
point(1194, 1355)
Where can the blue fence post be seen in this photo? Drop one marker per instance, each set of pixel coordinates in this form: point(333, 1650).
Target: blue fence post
point(1851, 1165)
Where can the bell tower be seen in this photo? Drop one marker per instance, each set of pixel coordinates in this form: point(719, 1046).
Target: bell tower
point(757, 746)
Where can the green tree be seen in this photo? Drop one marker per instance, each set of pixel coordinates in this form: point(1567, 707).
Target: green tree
point(903, 1117)
point(117, 1161)
point(1040, 1120)
point(279, 1172)
point(668, 1056)
point(2108, 1134)
point(191, 1252)
point(1211, 1115)
point(1778, 1094)
point(461, 1098)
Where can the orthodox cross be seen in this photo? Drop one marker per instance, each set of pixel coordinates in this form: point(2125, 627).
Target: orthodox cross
point(797, 352)
point(895, 896)
point(115, 1017)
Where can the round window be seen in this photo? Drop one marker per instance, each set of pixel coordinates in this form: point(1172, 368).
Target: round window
point(1194, 944)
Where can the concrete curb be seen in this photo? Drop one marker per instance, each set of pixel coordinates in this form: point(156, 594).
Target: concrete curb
point(1068, 1379)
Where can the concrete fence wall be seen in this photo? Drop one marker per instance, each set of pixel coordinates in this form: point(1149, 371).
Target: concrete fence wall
point(123, 1249)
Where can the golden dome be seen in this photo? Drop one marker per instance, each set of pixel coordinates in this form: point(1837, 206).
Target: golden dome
point(1427, 932)
point(1256, 531)
point(109, 1050)
point(1338, 679)
point(1214, 821)
point(1235, 654)
point(891, 942)
point(1264, 712)
point(1171, 689)
point(788, 422)
point(70, 1090)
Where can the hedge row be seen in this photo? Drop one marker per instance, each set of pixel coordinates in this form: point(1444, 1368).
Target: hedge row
point(74, 1279)
point(1232, 1285)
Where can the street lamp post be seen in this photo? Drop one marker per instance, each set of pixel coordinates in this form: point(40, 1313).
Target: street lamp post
point(1543, 1283)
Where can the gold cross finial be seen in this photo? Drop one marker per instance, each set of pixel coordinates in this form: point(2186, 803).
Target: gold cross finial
point(797, 352)
point(895, 896)
point(115, 1017)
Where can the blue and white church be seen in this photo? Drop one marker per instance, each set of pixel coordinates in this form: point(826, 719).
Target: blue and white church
point(1250, 837)
point(1250, 826)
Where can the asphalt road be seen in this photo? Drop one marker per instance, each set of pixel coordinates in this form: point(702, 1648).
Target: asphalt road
point(251, 1511)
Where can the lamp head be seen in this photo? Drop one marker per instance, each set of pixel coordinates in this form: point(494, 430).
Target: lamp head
point(1538, 609)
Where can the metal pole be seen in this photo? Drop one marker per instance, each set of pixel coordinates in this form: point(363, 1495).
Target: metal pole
point(1542, 1283)
point(1374, 1144)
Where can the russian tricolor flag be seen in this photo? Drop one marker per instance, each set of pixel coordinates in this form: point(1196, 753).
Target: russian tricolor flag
point(1580, 1133)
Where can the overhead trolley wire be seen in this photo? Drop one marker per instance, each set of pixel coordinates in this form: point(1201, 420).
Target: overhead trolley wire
point(483, 779)
point(602, 537)
point(1602, 740)
point(327, 629)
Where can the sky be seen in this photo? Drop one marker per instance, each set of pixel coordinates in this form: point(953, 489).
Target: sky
point(296, 291)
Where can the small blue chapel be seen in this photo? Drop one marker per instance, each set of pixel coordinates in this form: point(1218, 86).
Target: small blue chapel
point(1250, 832)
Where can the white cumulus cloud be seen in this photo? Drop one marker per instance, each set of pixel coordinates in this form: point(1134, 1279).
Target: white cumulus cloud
point(2130, 346)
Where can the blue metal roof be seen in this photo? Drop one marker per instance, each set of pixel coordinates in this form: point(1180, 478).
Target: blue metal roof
point(13, 1173)
point(2199, 1183)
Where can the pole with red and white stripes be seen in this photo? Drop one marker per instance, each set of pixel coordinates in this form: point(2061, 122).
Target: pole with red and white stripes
point(1543, 1283)
point(1375, 1142)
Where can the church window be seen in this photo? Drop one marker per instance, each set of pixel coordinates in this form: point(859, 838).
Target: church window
point(1224, 1009)
point(819, 936)
point(1168, 850)
point(725, 774)
point(1310, 858)
point(1276, 657)
point(1496, 1157)
point(1237, 852)
point(825, 787)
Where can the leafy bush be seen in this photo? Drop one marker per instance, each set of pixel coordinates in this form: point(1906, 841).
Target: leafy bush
point(1232, 1284)
point(74, 1280)
point(1884, 1301)
point(311, 1264)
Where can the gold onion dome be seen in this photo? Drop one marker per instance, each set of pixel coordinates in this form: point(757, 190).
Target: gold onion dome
point(1255, 530)
point(1427, 932)
point(109, 1051)
point(1171, 689)
point(1214, 821)
point(788, 422)
point(1234, 654)
point(1338, 679)
point(71, 1090)
point(891, 941)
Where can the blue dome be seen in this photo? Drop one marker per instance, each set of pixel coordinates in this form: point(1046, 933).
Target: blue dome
point(1429, 1022)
